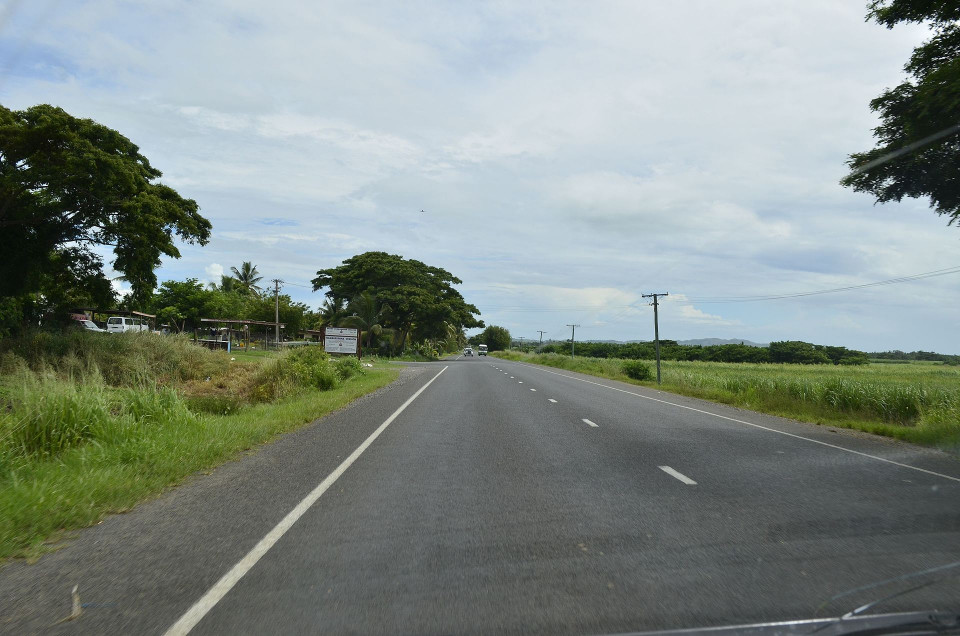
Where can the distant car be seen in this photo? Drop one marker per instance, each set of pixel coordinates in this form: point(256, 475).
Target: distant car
point(87, 325)
point(482, 350)
point(119, 324)
point(468, 351)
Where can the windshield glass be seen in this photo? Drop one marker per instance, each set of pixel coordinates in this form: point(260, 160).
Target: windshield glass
point(683, 277)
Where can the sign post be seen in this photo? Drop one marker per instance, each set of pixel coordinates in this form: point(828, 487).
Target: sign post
point(342, 340)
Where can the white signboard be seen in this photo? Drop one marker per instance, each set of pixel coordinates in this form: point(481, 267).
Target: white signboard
point(341, 340)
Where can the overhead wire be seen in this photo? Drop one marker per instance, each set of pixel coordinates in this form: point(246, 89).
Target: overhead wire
point(890, 281)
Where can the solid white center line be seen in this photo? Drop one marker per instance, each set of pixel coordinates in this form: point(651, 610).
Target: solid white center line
point(552, 400)
point(678, 475)
point(533, 389)
point(213, 596)
point(586, 421)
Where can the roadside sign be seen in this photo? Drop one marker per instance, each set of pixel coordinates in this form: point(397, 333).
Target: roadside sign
point(341, 340)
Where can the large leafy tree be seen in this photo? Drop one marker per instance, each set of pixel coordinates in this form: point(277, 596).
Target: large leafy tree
point(421, 298)
point(495, 337)
point(70, 185)
point(918, 139)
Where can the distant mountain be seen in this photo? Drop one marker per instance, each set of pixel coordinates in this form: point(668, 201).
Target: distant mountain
point(706, 342)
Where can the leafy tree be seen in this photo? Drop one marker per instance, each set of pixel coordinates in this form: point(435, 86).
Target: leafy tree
point(918, 148)
point(183, 303)
point(247, 278)
point(68, 185)
point(797, 352)
point(496, 338)
point(421, 298)
point(292, 314)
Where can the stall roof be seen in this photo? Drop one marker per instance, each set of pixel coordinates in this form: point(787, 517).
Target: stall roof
point(232, 321)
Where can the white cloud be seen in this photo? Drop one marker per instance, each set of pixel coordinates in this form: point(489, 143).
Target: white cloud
point(568, 156)
point(214, 272)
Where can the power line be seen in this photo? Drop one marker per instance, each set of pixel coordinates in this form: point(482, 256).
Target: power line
point(890, 281)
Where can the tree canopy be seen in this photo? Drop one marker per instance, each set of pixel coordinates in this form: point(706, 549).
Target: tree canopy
point(69, 185)
point(495, 337)
point(421, 299)
point(918, 140)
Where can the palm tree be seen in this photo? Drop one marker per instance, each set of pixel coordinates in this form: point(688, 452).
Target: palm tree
point(331, 311)
point(367, 315)
point(227, 284)
point(247, 277)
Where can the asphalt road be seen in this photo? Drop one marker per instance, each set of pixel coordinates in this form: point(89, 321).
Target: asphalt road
point(508, 498)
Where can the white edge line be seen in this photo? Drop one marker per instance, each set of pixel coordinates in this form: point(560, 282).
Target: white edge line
point(586, 421)
point(678, 475)
point(766, 428)
point(200, 609)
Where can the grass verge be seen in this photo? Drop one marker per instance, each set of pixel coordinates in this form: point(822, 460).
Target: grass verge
point(915, 403)
point(91, 427)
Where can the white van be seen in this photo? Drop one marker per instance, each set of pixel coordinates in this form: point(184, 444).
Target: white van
point(119, 324)
point(481, 350)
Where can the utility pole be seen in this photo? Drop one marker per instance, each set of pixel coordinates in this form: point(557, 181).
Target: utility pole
point(276, 310)
point(656, 327)
point(573, 339)
point(541, 331)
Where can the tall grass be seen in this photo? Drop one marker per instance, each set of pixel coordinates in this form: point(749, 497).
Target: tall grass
point(91, 423)
point(916, 402)
point(121, 359)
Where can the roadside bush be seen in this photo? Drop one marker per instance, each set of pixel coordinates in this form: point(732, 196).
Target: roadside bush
point(298, 368)
point(348, 367)
point(637, 370)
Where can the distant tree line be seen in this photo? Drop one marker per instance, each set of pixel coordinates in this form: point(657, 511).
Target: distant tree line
point(788, 351)
point(926, 356)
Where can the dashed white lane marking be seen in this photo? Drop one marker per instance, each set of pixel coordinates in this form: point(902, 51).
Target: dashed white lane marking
point(552, 400)
point(512, 378)
point(520, 382)
point(765, 428)
point(533, 389)
point(220, 589)
point(586, 421)
point(678, 475)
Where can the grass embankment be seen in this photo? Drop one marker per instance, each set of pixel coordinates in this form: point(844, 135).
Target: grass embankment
point(917, 402)
point(92, 424)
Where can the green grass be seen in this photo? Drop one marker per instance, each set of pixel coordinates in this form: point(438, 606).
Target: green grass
point(916, 402)
point(90, 427)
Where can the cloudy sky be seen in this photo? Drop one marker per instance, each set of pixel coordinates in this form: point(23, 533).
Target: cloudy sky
point(567, 157)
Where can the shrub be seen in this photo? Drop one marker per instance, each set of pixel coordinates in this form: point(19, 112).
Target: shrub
point(303, 367)
point(348, 367)
point(637, 370)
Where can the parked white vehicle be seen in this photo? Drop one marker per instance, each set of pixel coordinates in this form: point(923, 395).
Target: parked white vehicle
point(88, 325)
point(119, 324)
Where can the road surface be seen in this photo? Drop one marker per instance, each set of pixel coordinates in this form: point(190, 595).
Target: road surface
point(485, 496)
